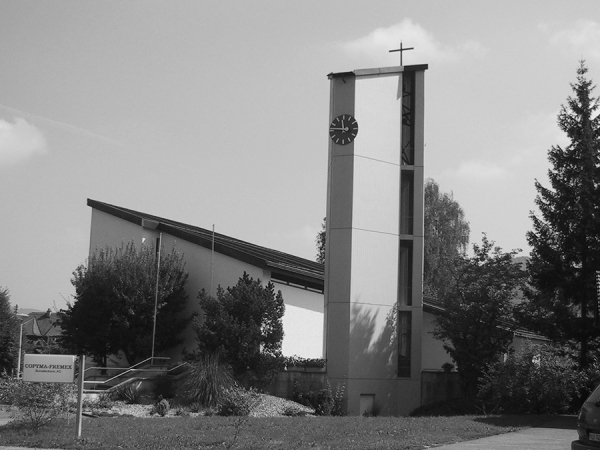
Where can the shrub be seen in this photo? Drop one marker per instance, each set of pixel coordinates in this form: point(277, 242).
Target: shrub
point(105, 401)
point(195, 407)
point(324, 402)
point(181, 412)
point(293, 411)
point(36, 404)
point(298, 361)
point(237, 401)
point(538, 379)
point(102, 401)
point(207, 379)
point(161, 407)
point(128, 392)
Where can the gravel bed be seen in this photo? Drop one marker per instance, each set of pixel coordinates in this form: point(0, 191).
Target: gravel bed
point(269, 406)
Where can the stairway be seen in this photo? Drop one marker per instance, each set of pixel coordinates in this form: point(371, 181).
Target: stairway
point(103, 379)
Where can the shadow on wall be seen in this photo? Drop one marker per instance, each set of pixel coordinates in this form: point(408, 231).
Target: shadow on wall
point(374, 344)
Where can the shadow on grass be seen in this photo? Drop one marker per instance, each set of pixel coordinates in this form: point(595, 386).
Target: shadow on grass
point(532, 421)
point(463, 407)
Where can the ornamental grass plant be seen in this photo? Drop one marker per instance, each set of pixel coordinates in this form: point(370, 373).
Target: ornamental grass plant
point(207, 380)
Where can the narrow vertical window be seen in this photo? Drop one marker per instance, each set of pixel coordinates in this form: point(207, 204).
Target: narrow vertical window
point(404, 342)
point(405, 274)
point(408, 118)
point(407, 194)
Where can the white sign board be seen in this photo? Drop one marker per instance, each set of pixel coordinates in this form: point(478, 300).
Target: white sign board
point(49, 368)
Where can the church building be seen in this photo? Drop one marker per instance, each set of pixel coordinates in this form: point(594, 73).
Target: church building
point(363, 311)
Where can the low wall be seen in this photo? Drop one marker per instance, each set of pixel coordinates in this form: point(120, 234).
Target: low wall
point(438, 386)
point(308, 380)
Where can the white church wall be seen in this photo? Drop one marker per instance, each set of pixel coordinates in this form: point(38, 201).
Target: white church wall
point(302, 322)
point(433, 353)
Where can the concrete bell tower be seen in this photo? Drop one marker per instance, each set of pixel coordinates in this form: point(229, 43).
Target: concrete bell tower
point(374, 249)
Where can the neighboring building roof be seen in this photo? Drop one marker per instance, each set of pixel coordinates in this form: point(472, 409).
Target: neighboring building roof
point(284, 267)
point(41, 324)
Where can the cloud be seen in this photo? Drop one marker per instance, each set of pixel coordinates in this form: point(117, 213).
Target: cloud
point(582, 37)
point(20, 140)
point(427, 48)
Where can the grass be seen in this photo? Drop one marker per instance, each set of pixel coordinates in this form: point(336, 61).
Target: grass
point(265, 433)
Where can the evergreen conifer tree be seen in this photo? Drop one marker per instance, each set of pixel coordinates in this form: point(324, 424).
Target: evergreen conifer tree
point(9, 333)
point(565, 239)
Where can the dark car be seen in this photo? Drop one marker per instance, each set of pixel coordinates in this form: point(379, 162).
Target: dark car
point(588, 424)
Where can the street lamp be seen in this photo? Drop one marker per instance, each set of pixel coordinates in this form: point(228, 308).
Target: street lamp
point(22, 316)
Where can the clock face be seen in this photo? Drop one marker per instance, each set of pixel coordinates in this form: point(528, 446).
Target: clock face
point(343, 129)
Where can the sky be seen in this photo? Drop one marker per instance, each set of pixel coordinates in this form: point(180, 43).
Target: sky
point(217, 113)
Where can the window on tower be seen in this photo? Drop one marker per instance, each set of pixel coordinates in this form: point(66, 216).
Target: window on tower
point(404, 343)
point(408, 118)
point(405, 274)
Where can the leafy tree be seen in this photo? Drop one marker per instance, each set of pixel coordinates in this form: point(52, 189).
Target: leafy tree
point(565, 239)
point(113, 309)
point(9, 333)
point(537, 379)
point(321, 240)
point(476, 325)
point(244, 325)
point(446, 237)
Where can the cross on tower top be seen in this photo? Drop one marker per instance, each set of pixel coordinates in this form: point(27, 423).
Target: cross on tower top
point(402, 49)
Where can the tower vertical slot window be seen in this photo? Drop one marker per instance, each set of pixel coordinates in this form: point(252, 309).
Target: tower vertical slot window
point(404, 343)
point(407, 201)
point(408, 118)
point(405, 274)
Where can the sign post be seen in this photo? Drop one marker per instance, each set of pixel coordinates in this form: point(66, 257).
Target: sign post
point(80, 394)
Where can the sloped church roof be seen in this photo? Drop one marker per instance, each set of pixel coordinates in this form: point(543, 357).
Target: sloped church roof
point(283, 266)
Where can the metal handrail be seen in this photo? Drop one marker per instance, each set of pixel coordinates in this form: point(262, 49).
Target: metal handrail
point(126, 370)
point(177, 366)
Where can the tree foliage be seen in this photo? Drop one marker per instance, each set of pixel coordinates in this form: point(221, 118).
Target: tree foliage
point(244, 325)
point(9, 333)
point(565, 239)
point(446, 236)
point(321, 241)
point(477, 324)
point(536, 379)
point(114, 302)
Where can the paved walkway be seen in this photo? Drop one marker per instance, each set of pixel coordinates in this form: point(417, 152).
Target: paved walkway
point(557, 434)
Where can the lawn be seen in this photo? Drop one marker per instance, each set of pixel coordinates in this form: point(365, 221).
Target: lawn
point(264, 433)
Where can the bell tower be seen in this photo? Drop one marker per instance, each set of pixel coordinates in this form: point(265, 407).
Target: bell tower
point(374, 249)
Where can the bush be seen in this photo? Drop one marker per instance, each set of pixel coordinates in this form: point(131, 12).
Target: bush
point(237, 401)
point(324, 402)
point(105, 401)
point(538, 379)
point(128, 392)
point(293, 411)
point(181, 412)
point(36, 404)
point(298, 361)
point(161, 407)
